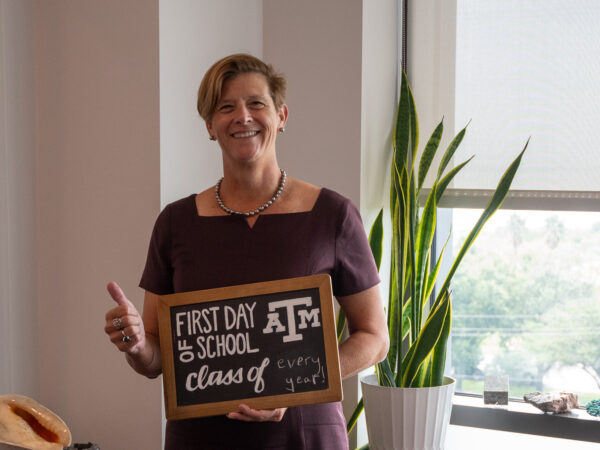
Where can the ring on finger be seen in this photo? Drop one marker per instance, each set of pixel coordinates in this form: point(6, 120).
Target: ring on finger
point(125, 338)
point(117, 323)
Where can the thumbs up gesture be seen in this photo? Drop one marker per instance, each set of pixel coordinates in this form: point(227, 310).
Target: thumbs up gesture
point(124, 324)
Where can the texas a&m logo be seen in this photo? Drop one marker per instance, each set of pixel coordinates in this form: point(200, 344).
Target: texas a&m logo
point(299, 316)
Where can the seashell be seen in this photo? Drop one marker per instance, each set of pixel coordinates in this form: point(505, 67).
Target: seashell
point(27, 424)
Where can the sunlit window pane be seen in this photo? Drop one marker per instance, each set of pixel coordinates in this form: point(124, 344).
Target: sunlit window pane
point(527, 302)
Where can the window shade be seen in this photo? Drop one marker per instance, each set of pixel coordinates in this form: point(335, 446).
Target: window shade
point(529, 69)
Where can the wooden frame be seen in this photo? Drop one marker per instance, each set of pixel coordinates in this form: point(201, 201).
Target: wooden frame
point(201, 377)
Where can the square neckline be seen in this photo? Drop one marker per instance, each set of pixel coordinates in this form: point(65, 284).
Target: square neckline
point(312, 209)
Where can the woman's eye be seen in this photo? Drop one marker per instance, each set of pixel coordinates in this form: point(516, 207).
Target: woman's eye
point(225, 107)
point(257, 104)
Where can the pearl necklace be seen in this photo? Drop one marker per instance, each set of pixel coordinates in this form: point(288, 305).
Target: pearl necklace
point(257, 210)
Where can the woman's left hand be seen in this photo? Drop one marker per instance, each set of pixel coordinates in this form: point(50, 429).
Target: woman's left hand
point(248, 414)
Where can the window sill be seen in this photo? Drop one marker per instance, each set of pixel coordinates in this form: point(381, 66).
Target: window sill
point(520, 417)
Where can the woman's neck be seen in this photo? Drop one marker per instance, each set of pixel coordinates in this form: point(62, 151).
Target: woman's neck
point(246, 188)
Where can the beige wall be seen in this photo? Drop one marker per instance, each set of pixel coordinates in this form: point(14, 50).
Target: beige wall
point(18, 276)
point(317, 45)
point(97, 88)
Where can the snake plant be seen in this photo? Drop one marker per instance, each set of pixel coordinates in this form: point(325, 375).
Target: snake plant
point(416, 324)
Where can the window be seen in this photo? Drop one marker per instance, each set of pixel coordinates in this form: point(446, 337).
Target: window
point(527, 302)
point(527, 297)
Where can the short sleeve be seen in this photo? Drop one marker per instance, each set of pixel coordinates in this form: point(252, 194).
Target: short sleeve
point(158, 272)
point(355, 269)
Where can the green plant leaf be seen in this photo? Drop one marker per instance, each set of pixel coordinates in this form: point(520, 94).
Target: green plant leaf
point(411, 261)
point(393, 193)
point(340, 324)
point(423, 377)
point(429, 153)
point(402, 128)
point(424, 239)
point(431, 279)
point(426, 341)
point(355, 415)
point(444, 182)
point(449, 153)
point(394, 316)
point(425, 282)
point(403, 233)
point(394, 302)
point(385, 376)
point(406, 130)
point(439, 352)
point(414, 130)
point(491, 208)
point(376, 239)
point(403, 258)
point(406, 309)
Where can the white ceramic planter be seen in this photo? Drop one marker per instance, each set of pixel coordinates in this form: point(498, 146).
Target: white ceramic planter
point(407, 418)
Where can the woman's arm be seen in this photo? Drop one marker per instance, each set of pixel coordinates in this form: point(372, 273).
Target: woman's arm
point(368, 342)
point(142, 351)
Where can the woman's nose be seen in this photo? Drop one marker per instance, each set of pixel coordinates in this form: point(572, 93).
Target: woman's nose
point(243, 114)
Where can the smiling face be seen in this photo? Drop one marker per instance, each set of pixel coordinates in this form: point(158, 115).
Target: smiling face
point(245, 121)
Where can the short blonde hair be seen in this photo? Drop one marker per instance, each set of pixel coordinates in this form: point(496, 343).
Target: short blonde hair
point(230, 67)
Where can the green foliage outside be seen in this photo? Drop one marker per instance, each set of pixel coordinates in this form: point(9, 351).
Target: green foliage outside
point(527, 303)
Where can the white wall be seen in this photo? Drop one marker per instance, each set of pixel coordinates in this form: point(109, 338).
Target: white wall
point(379, 100)
point(193, 35)
point(18, 276)
point(97, 107)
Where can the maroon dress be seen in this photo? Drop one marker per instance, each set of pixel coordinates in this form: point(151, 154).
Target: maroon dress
point(190, 252)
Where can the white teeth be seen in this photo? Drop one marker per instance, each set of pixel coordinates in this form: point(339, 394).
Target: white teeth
point(245, 134)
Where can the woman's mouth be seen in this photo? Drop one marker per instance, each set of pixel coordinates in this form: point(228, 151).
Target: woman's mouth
point(245, 134)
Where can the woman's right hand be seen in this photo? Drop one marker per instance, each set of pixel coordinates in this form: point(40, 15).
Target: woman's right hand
point(124, 324)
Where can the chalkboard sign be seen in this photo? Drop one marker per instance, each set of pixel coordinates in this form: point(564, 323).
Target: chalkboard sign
point(267, 345)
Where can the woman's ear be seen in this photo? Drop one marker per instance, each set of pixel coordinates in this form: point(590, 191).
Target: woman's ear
point(211, 136)
point(283, 115)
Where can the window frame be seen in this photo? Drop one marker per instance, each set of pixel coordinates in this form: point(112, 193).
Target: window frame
point(518, 417)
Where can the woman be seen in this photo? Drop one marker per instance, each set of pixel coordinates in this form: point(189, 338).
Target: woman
point(256, 224)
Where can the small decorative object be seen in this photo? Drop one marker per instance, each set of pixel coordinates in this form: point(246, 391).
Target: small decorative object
point(26, 423)
point(495, 390)
point(556, 402)
point(593, 408)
